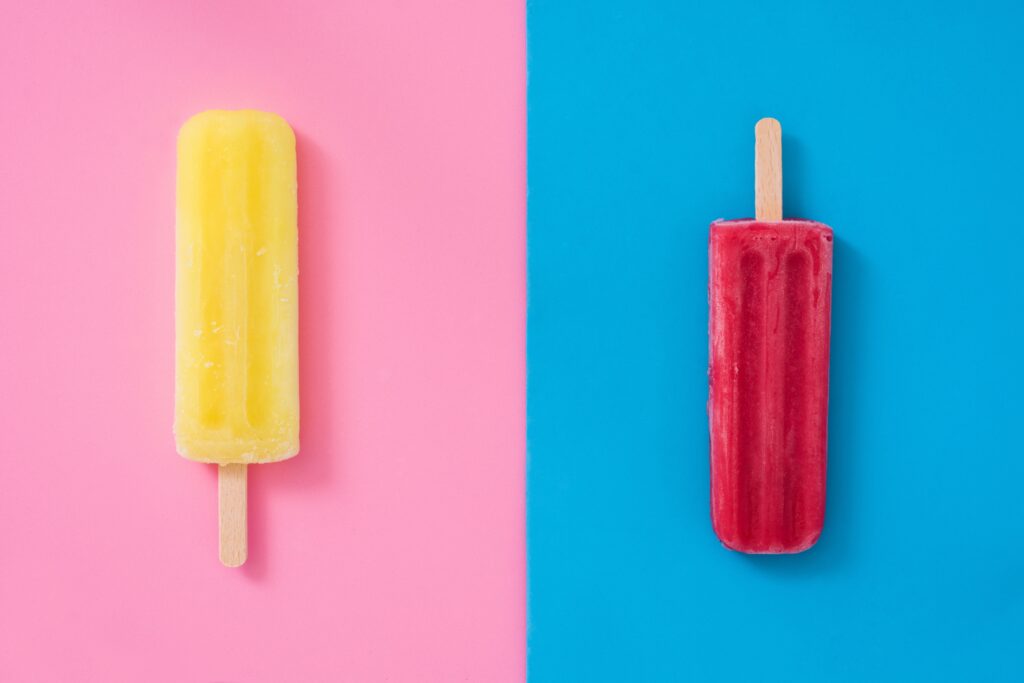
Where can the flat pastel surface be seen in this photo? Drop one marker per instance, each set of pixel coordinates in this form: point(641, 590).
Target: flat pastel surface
point(392, 547)
point(901, 124)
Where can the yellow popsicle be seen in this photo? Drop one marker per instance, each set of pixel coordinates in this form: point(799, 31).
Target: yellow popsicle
point(237, 354)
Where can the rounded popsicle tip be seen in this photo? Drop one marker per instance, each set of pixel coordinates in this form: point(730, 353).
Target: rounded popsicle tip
point(273, 124)
point(750, 546)
point(221, 118)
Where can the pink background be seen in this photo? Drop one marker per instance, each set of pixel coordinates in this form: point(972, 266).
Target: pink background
point(392, 548)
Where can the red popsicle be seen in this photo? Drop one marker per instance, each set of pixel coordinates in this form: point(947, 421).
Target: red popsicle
point(770, 294)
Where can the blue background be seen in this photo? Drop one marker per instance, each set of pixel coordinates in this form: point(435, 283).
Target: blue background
point(904, 130)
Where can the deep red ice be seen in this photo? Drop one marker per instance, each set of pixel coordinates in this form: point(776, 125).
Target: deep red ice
point(770, 295)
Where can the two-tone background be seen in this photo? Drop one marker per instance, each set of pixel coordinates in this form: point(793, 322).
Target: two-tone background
point(503, 224)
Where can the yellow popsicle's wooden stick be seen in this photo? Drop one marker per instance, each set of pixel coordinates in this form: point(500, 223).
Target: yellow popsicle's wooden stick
point(231, 496)
point(768, 170)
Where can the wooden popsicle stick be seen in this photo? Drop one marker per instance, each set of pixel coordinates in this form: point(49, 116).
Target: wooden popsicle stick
point(768, 170)
point(231, 486)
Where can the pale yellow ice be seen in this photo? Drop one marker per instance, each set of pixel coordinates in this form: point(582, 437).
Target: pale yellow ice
point(237, 355)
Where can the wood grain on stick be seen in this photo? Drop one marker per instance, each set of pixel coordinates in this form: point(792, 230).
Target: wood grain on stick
point(231, 489)
point(768, 170)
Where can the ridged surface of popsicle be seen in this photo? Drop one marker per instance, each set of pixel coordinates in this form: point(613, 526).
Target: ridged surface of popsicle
point(770, 300)
point(236, 382)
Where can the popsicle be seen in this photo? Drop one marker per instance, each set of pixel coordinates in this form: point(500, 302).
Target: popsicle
point(770, 295)
point(236, 298)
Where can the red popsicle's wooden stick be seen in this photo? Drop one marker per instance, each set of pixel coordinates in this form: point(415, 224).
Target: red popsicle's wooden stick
point(768, 170)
